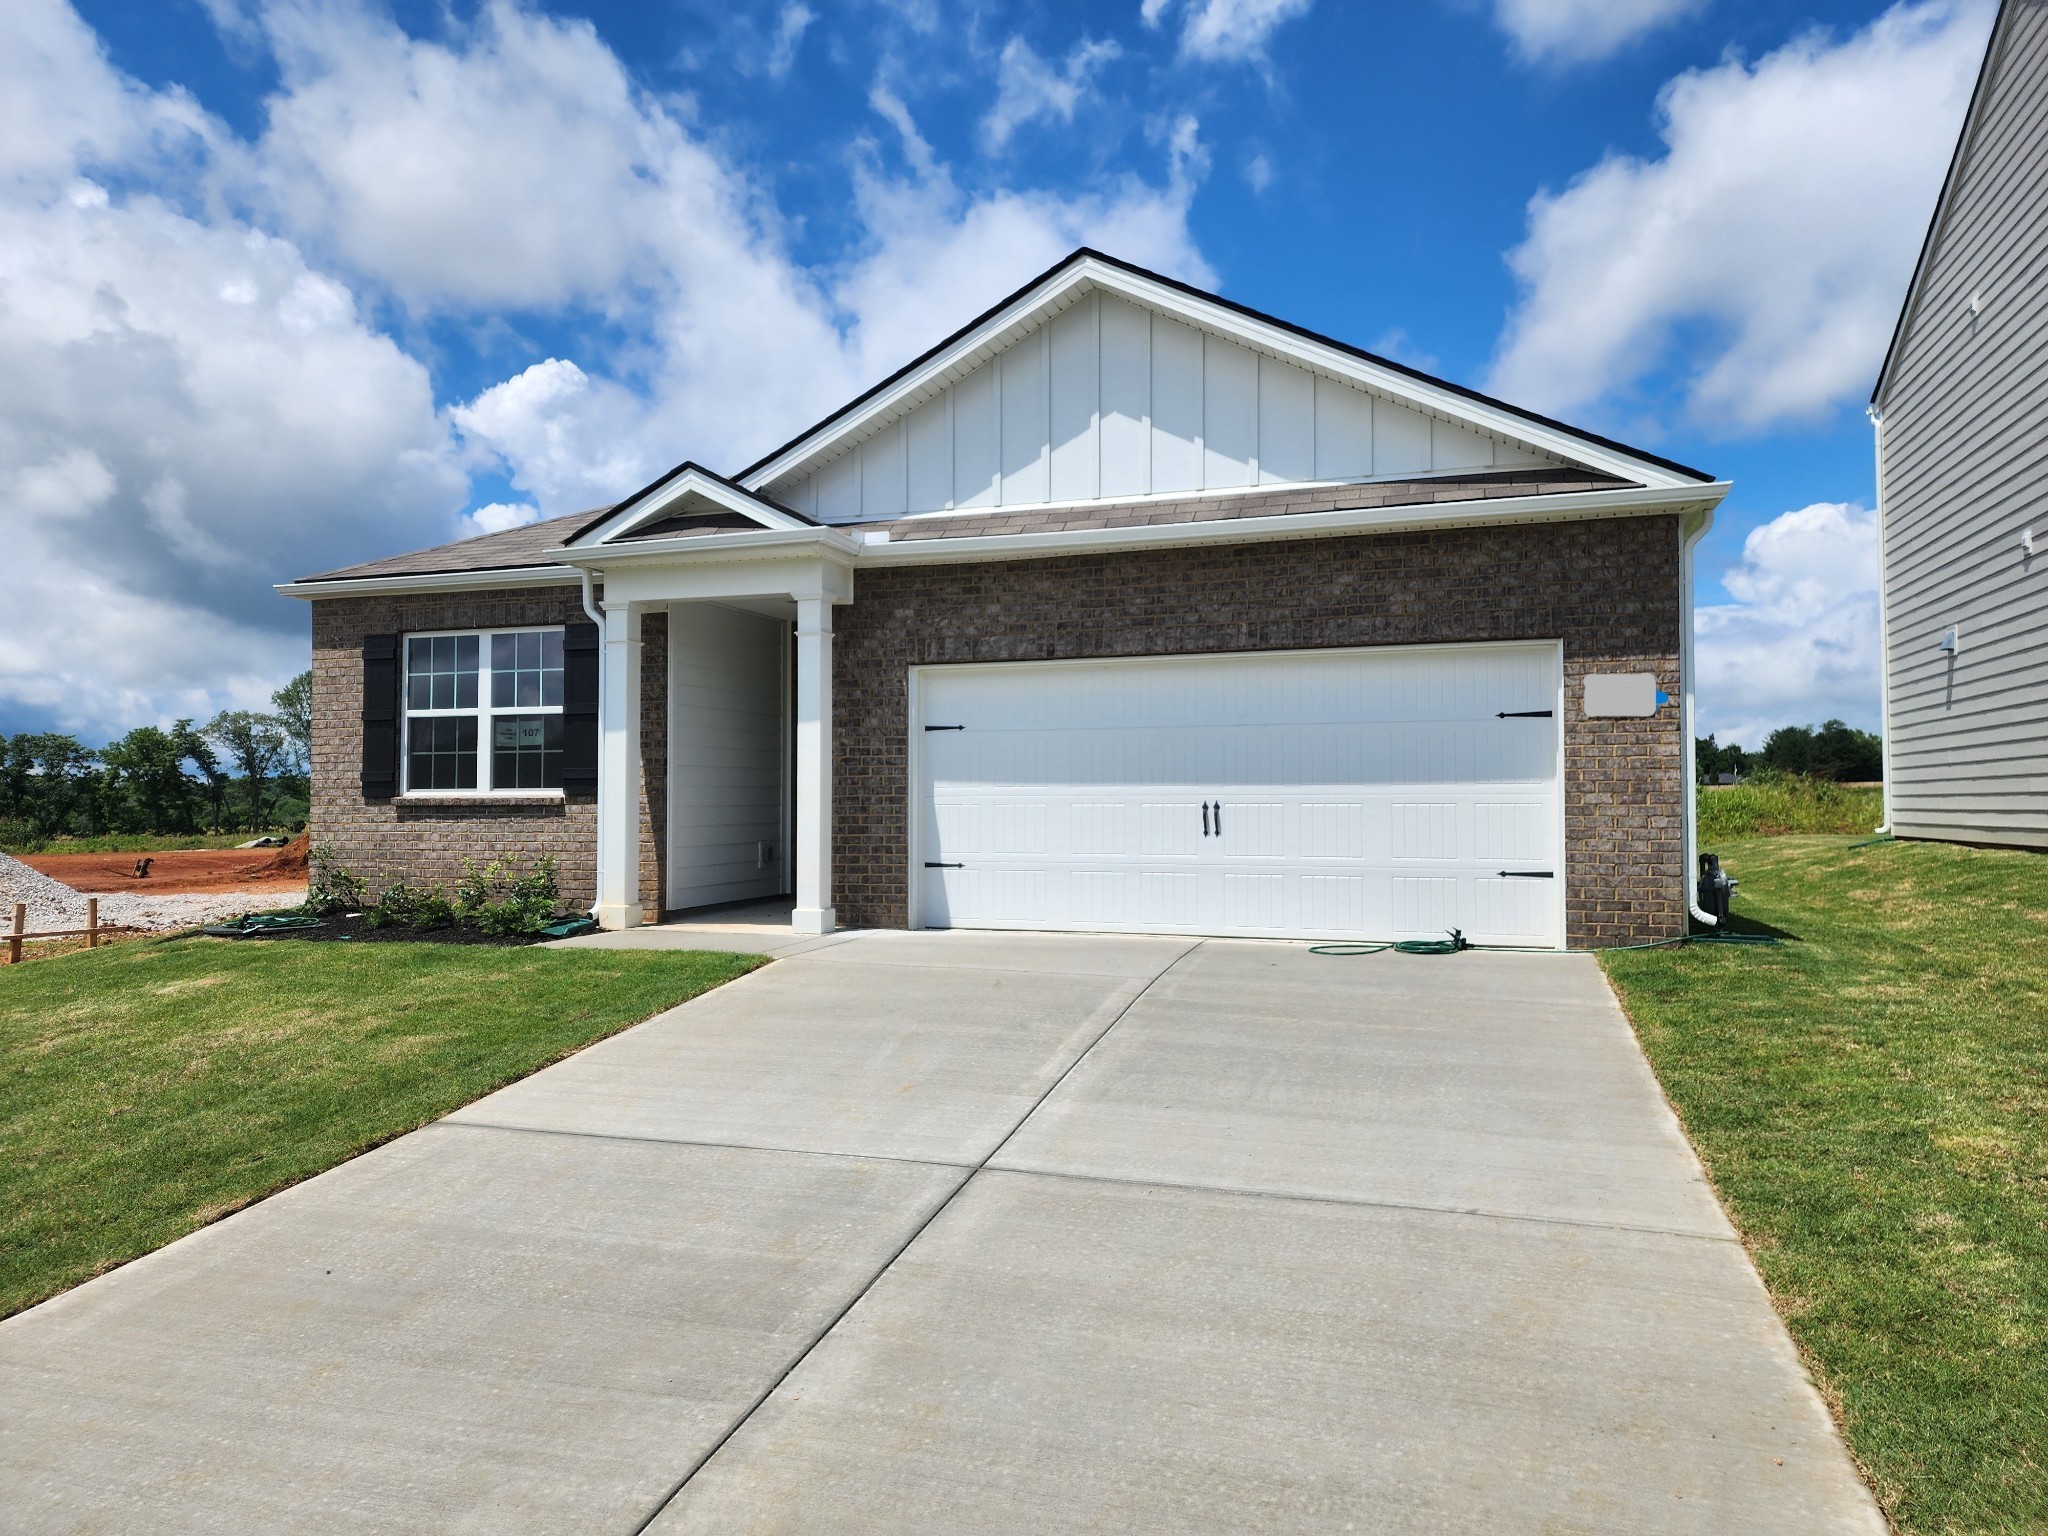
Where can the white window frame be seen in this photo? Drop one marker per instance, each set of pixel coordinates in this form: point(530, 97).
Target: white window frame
point(484, 714)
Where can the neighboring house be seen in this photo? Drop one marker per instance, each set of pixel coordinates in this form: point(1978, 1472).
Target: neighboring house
point(1123, 608)
point(1961, 410)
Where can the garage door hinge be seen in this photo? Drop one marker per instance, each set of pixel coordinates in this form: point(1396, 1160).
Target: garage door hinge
point(945, 727)
point(1528, 874)
point(929, 864)
point(1507, 714)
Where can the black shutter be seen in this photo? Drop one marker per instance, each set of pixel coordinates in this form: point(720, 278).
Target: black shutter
point(380, 717)
point(579, 709)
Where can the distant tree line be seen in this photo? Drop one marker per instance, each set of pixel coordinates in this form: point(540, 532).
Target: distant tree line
point(1833, 751)
point(244, 770)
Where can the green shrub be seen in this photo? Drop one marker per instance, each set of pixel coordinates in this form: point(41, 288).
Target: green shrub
point(530, 903)
point(331, 888)
point(20, 837)
point(410, 906)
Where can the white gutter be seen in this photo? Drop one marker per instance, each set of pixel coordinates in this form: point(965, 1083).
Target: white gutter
point(590, 599)
point(1686, 540)
point(1884, 631)
point(1473, 512)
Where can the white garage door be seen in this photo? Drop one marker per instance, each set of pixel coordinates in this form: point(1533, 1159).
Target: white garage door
point(1385, 794)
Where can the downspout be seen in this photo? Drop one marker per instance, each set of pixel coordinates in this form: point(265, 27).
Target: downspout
point(1687, 538)
point(590, 607)
point(1884, 630)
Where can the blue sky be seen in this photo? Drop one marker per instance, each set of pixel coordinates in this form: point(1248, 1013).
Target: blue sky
point(287, 284)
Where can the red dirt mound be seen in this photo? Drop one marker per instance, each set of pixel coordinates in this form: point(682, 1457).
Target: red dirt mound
point(186, 870)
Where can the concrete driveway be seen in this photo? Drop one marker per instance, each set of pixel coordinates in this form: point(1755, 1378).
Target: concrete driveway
point(963, 1233)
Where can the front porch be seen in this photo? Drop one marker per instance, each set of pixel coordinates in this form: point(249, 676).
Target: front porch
point(747, 757)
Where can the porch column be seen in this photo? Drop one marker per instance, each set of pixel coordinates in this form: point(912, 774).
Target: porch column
point(618, 770)
point(813, 766)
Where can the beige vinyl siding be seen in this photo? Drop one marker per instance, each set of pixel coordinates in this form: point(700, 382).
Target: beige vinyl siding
point(1965, 437)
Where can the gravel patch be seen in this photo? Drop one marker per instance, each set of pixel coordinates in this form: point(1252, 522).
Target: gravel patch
point(53, 904)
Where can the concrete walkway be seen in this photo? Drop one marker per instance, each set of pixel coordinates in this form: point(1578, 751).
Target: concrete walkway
point(967, 1233)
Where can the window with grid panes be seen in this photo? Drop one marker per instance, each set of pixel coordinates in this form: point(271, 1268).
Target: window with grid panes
point(483, 712)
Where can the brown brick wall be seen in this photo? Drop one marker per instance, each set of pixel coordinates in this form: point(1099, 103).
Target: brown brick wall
point(425, 841)
point(1608, 589)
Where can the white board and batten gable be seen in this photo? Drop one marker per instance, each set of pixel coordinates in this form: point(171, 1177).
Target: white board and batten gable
point(1102, 384)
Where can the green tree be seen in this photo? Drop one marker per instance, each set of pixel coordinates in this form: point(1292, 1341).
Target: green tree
point(149, 785)
point(294, 704)
point(256, 742)
point(52, 780)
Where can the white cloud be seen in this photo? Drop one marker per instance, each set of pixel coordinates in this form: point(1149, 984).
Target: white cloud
point(500, 515)
point(790, 27)
point(194, 404)
point(1766, 252)
point(1799, 644)
point(1225, 31)
point(1028, 88)
point(1580, 31)
point(1258, 173)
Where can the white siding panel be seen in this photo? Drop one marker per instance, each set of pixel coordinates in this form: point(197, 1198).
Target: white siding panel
point(1230, 414)
point(839, 489)
point(1076, 379)
point(1965, 424)
point(1126, 399)
point(1287, 423)
point(1176, 406)
point(726, 768)
point(1026, 430)
point(1454, 447)
point(882, 491)
point(1343, 431)
point(1400, 440)
point(974, 439)
point(930, 453)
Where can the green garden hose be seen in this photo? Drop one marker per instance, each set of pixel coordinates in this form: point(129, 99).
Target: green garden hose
point(1444, 946)
point(1457, 941)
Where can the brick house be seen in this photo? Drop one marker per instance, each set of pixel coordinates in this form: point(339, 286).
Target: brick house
point(1123, 608)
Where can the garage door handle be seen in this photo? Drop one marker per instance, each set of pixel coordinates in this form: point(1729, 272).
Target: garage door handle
point(1219, 818)
point(930, 864)
point(945, 727)
point(1507, 714)
point(1528, 874)
point(1205, 818)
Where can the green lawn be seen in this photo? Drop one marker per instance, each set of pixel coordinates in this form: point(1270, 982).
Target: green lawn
point(150, 1088)
point(1871, 1099)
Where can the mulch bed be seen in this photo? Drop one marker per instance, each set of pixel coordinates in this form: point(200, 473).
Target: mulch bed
point(353, 930)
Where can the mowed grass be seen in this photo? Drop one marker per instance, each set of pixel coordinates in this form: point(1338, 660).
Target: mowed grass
point(1777, 805)
point(1871, 1099)
point(148, 1089)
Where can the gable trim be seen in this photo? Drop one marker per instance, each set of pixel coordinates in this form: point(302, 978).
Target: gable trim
point(1973, 117)
point(687, 479)
point(1248, 326)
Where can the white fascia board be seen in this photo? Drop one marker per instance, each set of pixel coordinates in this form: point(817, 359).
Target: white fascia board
point(1499, 511)
point(701, 548)
point(432, 581)
point(689, 482)
point(1260, 335)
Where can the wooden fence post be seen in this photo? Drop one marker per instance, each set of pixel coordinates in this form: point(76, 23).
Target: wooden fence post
point(20, 927)
point(92, 922)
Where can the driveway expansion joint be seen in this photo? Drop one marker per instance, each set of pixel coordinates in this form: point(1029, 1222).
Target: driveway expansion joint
point(710, 1146)
point(1476, 1212)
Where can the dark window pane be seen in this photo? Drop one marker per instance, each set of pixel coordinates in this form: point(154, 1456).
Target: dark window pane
point(442, 754)
point(441, 672)
point(526, 752)
point(504, 652)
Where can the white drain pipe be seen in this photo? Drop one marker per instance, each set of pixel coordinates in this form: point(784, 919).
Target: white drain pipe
point(1687, 538)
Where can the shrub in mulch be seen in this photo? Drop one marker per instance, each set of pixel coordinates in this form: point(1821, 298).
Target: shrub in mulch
point(357, 928)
